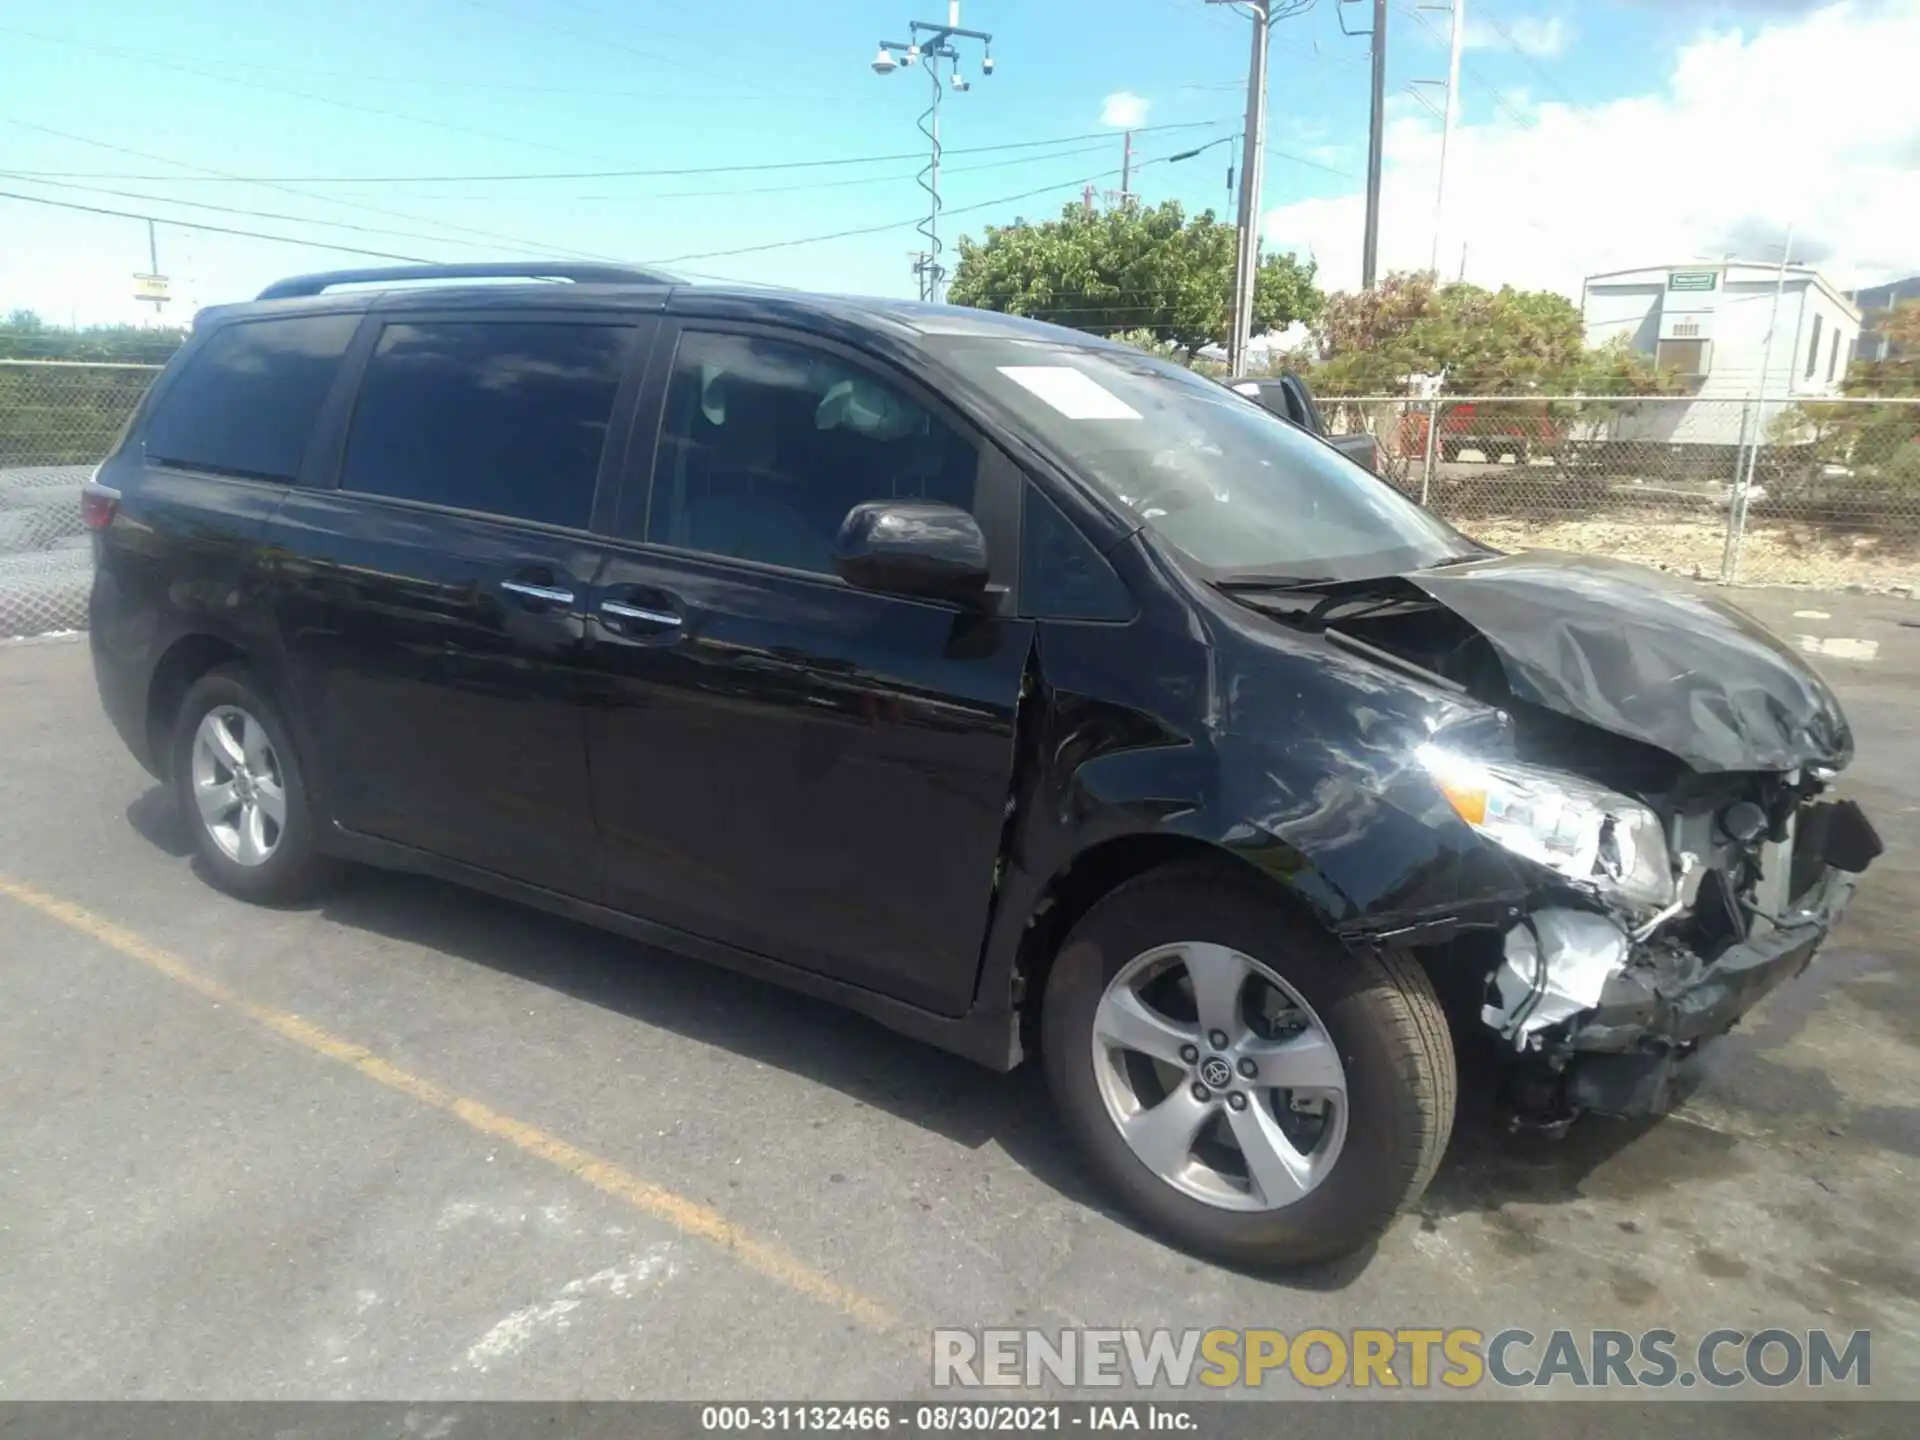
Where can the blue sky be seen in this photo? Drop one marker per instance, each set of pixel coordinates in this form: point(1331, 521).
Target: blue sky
point(489, 87)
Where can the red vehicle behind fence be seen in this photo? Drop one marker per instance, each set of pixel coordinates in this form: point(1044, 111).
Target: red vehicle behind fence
point(1493, 429)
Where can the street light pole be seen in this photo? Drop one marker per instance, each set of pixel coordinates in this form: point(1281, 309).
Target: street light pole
point(1459, 9)
point(1246, 264)
point(932, 43)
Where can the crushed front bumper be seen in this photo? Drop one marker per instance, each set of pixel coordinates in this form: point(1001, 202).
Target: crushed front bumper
point(1625, 1056)
point(1602, 1021)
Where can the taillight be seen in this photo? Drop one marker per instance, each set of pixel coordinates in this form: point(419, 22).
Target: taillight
point(98, 505)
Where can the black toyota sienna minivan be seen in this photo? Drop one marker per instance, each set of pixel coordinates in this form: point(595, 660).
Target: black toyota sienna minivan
point(1020, 690)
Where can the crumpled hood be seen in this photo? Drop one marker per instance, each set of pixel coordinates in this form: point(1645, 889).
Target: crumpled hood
point(1639, 654)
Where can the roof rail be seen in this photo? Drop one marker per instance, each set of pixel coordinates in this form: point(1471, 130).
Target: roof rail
point(572, 270)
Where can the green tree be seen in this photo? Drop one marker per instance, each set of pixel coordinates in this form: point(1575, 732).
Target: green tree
point(1489, 342)
point(1130, 268)
point(24, 335)
point(67, 415)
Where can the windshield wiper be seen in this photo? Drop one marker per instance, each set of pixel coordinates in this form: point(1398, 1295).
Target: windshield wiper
point(1481, 553)
point(1272, 584)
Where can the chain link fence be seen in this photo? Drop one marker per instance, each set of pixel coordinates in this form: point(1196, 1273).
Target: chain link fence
point(57, 422)
point(1735, 490)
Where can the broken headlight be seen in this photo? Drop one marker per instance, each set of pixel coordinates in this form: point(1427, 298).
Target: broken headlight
point(1592, 835)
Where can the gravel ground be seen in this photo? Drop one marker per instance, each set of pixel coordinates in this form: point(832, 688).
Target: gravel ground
point(46, 560)
point(1771, 552)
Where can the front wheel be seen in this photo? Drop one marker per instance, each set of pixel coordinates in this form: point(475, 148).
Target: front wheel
point(1246, 1086)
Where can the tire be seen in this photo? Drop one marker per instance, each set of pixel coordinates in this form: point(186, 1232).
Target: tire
point(287, 867)
point(1381, 1017)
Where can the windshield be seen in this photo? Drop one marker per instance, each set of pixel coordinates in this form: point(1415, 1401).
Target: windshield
point(1232, 486)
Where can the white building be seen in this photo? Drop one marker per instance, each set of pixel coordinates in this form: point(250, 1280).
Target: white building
point(1708, 323)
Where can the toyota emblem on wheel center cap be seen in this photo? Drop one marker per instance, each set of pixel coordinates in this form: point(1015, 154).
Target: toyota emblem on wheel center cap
point(1216, 1072)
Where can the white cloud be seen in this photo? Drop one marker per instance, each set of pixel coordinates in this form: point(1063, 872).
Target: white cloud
point(1124, 109)
point(1541, 36)
point(1809, 119)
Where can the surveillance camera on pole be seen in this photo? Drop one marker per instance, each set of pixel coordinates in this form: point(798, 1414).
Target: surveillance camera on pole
point(931, 43)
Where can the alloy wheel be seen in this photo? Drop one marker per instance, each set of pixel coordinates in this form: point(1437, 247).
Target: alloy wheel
point(238, 785)
point(1219, 1076)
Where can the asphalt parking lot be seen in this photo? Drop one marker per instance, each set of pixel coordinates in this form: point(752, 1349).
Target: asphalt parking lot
point(416, 1143)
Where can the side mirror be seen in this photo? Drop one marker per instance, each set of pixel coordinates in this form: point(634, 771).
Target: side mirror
point(912, 547)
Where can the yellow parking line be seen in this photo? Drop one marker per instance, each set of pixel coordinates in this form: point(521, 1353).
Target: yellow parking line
point(689, 1217)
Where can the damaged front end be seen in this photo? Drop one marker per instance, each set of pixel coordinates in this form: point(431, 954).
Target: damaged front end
point(1665, 778)
point(1601, 1001)
point(1696, 862)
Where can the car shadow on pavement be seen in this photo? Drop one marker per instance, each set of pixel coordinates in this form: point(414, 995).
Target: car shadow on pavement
point(1485, 1168)
point(155, 818)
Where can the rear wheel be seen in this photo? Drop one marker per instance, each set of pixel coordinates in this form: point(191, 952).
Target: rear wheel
point(1245, 1085)
point(241, 790)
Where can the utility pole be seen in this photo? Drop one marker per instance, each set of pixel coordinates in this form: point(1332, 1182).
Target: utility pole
point(1457, 11)
point(152, 286)
point(1376, 135)
point(1743, 475)
point(1246, 265)
point(1126, 170)
point(932, 43)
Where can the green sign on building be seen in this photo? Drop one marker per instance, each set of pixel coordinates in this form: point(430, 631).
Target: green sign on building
point(1692, 279)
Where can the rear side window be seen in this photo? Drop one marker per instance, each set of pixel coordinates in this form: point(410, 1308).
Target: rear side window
point(500, 417)
point(245, 401)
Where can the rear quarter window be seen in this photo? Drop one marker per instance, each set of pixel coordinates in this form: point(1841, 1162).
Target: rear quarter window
point(245, 401)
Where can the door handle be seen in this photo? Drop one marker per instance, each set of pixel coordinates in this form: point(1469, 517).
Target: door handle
point(551, 594)
point(619, 610)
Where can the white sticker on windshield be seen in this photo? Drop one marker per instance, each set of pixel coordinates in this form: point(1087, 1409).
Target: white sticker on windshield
point(1074, 393)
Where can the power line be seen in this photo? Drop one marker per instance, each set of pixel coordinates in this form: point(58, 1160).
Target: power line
point(1512, 111)
point(562, 251)
point(375, 110)
point(1514, 45)
point(1279, 154)
point(221, 209)
point(436, 81)
point(903, 224)
point(727, 194)
point(1197, 9)
point(216, 229)
point(541, 24)
point(674, 171)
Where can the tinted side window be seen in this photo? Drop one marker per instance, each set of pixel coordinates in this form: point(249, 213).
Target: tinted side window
point(505, 418)
point(246, 400)
point(766, 445)
point(1062, 577)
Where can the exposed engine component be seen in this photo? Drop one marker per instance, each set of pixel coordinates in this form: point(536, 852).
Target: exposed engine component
point(1556, 964)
